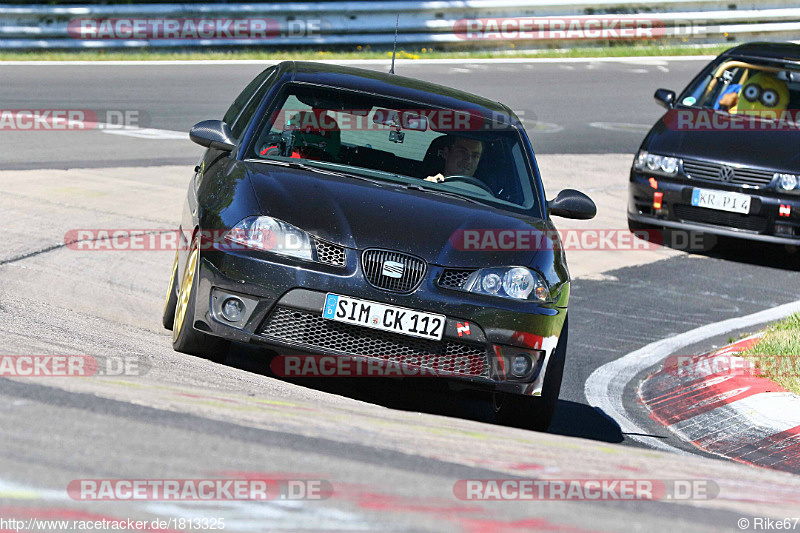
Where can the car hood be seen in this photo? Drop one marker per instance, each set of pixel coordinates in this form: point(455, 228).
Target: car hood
point(361, 215)
point(779, 150)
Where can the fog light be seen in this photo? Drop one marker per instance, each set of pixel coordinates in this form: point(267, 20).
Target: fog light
point(784, 229)
point(232, 309)
point(521, 366)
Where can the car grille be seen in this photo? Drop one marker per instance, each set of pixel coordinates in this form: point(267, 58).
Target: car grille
point(413, 270)
point(704, 170)
point(720, 218)
point(307, 330)
point(454, 278)
point(330, 254)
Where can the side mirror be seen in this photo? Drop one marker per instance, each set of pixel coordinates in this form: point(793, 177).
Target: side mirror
point(213, 134)
point(665, 98)
point(570, 203)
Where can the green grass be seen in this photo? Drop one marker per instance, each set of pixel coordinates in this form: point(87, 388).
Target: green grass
point(643, 50)
point(777, 353)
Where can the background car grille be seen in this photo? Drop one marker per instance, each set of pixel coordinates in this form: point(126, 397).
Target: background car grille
point(330, 254)
point(413, 271)
point(703, 215)
point(454, 278)
point(703, 170)
point(308, 330)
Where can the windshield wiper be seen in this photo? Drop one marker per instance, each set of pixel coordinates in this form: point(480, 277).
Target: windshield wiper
point(415, 187)
point(321, 170)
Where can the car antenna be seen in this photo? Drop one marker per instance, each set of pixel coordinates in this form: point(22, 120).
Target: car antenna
point(394, 49)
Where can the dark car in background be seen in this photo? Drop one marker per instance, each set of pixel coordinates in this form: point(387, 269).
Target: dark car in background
point(321, 220)
point(725, 158)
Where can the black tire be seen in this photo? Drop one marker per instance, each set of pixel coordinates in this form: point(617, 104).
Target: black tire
point(168, 316)
point(535, 412)
point(185, 338)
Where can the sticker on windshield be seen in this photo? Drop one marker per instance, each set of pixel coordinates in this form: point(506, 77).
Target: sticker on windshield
point(689, 100)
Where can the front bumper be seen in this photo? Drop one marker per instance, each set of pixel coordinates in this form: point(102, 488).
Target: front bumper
point(285, 299)
point(772, 218)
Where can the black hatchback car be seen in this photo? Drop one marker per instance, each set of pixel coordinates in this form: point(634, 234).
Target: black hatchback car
point(328, 215)
point(725, 158)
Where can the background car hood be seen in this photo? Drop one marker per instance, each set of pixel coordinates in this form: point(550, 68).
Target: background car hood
point(767, 149)
point(361, 215)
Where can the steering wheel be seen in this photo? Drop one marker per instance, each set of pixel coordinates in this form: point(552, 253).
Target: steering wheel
point(284, 140)
point(471, 180)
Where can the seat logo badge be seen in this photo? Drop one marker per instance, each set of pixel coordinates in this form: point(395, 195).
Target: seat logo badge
point(393, 269)
point(462, 329)
point(726, 174)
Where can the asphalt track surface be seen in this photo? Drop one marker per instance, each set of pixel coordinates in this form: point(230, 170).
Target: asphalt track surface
point(392, 453)
point(568, 107)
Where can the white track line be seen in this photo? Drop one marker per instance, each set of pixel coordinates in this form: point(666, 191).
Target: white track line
point(655, 60)
point(605, 386)
point(144, 133)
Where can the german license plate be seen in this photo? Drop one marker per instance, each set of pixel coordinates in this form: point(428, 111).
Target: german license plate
point(384, 317)
point(721, 201)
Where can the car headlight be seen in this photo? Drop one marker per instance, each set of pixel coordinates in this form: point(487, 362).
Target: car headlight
point(787, 182)
point(271, 235)
point(518, 283)
point(656, 164)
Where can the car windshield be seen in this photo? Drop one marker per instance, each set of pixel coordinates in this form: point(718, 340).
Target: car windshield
point(740, 86)
point(437, 150)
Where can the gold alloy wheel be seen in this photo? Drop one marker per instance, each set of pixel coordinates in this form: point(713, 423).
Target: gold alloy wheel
point(171, 288)
point(186, 291)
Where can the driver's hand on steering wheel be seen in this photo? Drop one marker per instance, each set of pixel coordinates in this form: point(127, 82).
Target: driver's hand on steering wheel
point(438, 178)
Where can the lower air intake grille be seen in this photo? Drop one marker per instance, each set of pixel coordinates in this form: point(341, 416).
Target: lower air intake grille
point(720, 218)
point(311, 331)
point(454, 278)
point(330, 254)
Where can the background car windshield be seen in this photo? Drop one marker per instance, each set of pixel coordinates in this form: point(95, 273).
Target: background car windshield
point(748, 86)
point(395, 140)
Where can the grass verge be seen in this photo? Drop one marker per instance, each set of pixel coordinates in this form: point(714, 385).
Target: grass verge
point(644, 50)
point(777, 353)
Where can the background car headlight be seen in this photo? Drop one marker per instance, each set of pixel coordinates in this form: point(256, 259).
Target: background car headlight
point(787, 182)
point(657, 164)
point(518, 283)
point(271, 235)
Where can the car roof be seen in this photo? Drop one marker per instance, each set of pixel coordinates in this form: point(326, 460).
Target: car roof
point(392, 85)
point(784, 52)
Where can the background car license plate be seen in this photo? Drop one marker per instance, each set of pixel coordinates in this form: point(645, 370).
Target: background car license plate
point(386, 317)
point(721, 201)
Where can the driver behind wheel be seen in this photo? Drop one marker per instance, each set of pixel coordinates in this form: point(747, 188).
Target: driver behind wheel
point(461, 157)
